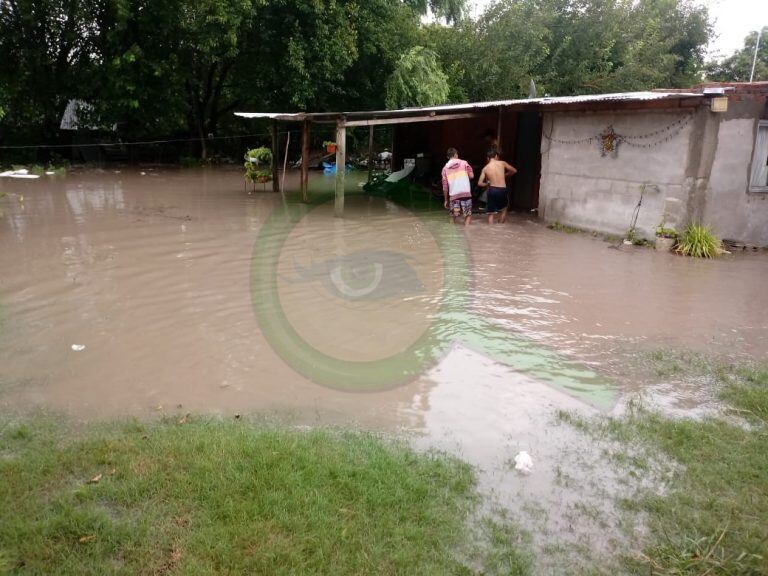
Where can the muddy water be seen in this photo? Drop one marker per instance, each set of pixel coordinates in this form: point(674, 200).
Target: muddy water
point(190, 295)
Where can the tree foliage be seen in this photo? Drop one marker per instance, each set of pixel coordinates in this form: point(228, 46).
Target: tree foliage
point(46, 48)
point(181, 67)
point(738, 66)
point(418, 80)
point(574, 47)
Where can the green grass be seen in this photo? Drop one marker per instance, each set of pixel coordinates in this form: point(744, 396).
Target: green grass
point(712, 517)
point(560, 227)
point(699, 241)
point(214, 497)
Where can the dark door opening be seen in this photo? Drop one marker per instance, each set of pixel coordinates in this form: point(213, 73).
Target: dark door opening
point(527, 160)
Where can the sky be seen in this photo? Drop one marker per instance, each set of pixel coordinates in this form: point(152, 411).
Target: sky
point(733, 20)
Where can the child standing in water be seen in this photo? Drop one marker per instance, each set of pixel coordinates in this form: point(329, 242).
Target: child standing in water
point(495, 175)
point(457, 190)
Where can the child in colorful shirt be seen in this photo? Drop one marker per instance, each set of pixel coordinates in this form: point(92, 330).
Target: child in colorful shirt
point(457, 189)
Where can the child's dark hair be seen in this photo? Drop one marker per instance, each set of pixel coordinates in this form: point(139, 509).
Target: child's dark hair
point(493, 152)
point(451, 153)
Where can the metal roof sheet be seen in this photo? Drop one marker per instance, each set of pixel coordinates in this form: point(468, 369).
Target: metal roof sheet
point(405, 112)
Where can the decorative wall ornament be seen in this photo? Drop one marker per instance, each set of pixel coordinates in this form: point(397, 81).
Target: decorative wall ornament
point(609, 142)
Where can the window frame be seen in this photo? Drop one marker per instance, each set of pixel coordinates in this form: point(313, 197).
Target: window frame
point(761, 125)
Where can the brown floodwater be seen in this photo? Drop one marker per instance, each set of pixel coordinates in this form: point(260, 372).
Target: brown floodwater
point(164, 291)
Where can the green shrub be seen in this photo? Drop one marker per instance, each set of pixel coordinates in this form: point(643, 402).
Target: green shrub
point(257, 164)
point(699, 241)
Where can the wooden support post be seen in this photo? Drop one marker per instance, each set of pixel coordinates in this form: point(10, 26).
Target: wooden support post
point(305, 161)
point(392, 149)
point(341, 167)
point(370, 153)
point(275, 150)
point(498, 131)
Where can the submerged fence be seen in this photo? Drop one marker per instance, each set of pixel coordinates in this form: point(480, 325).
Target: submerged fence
point(100, 148)
point(87, 148)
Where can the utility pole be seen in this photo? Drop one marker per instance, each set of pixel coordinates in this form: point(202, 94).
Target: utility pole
point(754, 59)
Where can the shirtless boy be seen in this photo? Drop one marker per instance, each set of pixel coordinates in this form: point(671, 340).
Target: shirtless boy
point(495, 175)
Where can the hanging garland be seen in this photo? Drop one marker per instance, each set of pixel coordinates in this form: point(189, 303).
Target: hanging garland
point(608, 140)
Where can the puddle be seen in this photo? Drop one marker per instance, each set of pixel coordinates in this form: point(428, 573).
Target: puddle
point(189, 294)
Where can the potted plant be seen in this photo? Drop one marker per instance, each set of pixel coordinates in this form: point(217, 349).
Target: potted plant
point(330, 147)
point(257, 165)
point(666, 238)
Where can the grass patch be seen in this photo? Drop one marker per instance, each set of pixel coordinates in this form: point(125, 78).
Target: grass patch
point(214, 497)
point(713, 518)
point(699, 241)
point(560, 227)
point(610, 238)
point(503, 550)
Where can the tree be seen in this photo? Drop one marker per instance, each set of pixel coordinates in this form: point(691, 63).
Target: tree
point(180, 67)
point(673, 34)
point(572, 47)
point(47, 49)
point(451, 10)
point(296, 54)
point(386, 29)
point(513, 41)
point(418, 80)
point(168, 64)
point(331, 55)
point(738, 66)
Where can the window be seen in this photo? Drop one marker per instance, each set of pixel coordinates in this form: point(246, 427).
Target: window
point(758, 180)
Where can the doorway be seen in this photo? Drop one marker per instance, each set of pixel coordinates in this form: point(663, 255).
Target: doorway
point(527, 160)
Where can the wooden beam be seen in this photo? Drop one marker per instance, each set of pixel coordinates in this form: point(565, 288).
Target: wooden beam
point(341, 167)
point(275, 150)
point(305, 161)
point(413, 119)
point(498, 130)
point(392, 149)
point(370, 153)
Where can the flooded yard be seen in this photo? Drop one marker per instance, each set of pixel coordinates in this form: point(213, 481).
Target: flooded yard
point(163, 291)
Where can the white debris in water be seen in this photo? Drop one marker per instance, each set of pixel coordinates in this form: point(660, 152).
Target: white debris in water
point(78, 347)
point(49, 172)
point(23, 173)
point(523, 462)
point(143, 173)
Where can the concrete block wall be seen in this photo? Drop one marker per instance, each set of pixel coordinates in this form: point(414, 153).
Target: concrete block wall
point(729, 207)
point(581, 188)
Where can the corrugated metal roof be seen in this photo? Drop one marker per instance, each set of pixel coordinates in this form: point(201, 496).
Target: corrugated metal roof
point(405, 112)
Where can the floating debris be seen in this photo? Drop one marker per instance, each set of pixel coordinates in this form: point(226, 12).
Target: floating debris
point(523, 462)
point(22, 173)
